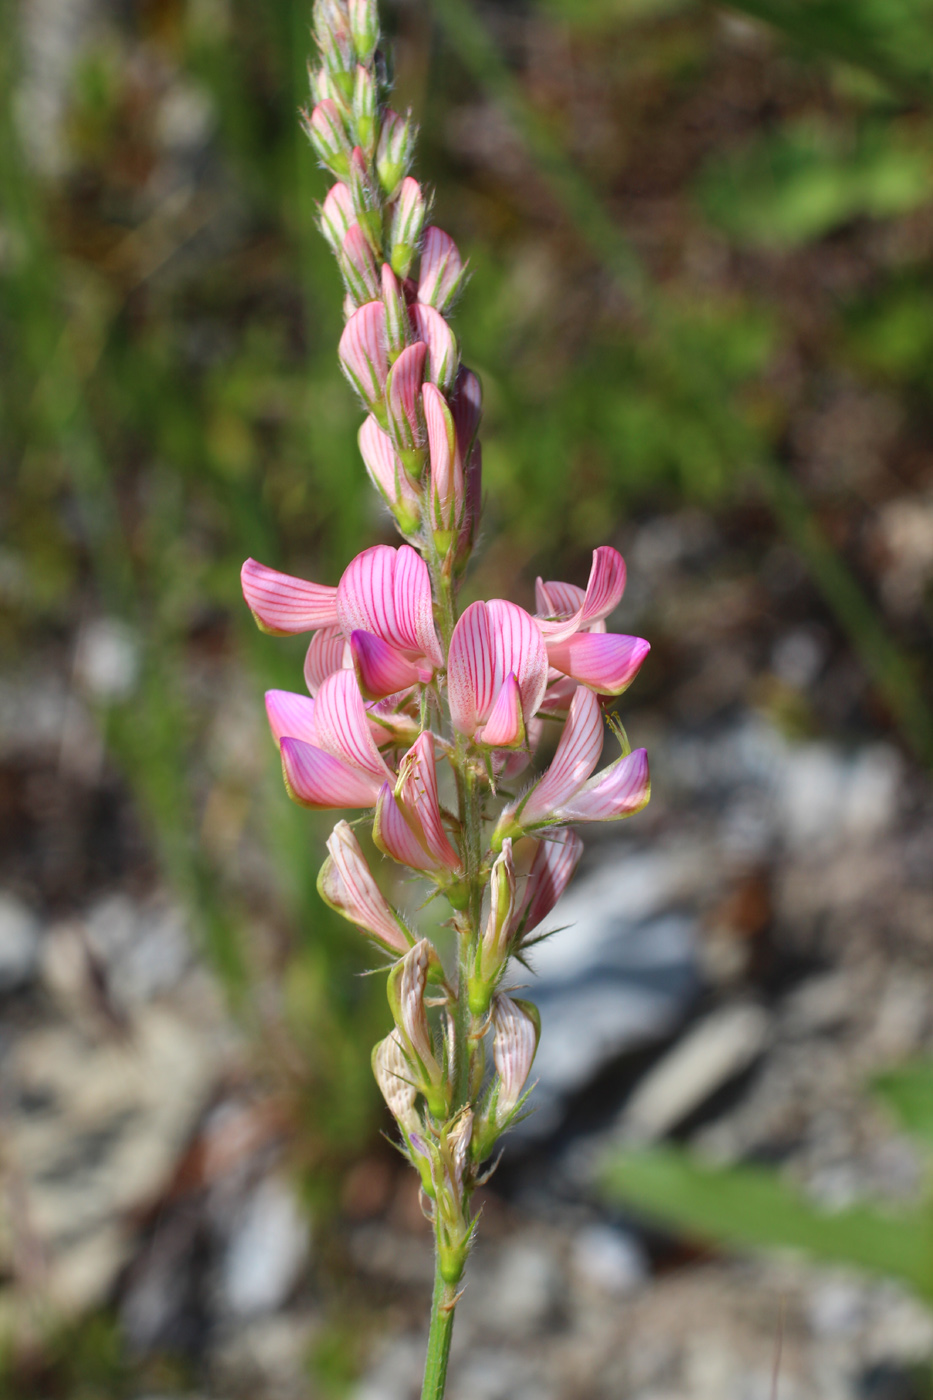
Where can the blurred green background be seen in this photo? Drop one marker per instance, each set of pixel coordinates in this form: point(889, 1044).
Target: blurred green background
point(700, 239)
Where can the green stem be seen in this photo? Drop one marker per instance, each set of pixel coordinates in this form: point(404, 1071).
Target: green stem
point(439, 1334)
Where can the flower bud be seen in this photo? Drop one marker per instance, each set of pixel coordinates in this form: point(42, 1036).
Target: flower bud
point(328, 135)
point(323, 85)
point(517, 1029)
point(345, 883)
point(363, 356)
point(398, 321)
point(393, 1075)
point(404, 408)
point(364, 27)
point(336, 215)
point(442, 270)
point(389, 477)
point(367, 199)
point(406, 987)
point(335, 42)
point(365, 109)
point(395, 151)
point(407, 225)
point(493, 949)
point(445, 490)
point(443, 354)
point(454, 1230)
point(359, 266)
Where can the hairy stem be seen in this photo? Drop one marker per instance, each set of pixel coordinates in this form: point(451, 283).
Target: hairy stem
point(439, 1334)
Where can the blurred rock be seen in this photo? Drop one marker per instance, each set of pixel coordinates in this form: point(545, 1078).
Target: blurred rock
point(708, 1057)
point(608, 1260)
point(268, 1250)
point(521, 1290)
point(19, 943)
point(107, 660)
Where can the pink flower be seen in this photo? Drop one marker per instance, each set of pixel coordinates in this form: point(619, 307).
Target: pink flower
point(566, 793)
point(409, 826)
point(496, 673)
point(573, 624)
point(346, 883)
point(284, 605)
point(555, 860)
point(363, 355)
point(329, 755)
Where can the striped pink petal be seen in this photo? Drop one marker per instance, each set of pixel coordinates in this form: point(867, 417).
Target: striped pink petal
point(558, 600)
point(441, 271)
point(559, 694)
point(346, 883)
point(513, 1051)
point(362, 351)
point(394, 836)
point(385, 468)
point(381, 668)
point(341, 727)
point(284, 605)
point(490, 641)
point(358, 266)
point(577, 755)
point(505, 728)
point(387, 592)
point(337, 215)
point(446, 487)
point(603, 594)
point(418, 795)
point(556, 859)
point(403, 398)
point(319, 780)
point(518, 648)
point(290, 716)
point(443, 355)
point(328, 651)
point(607, 662)
point(619, 791)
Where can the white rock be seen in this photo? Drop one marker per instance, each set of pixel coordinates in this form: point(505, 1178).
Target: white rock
point(267, 1251)
point(608, 1259)
point(522, 1290)
point(712, 1053)
point(108, 659)
point(19, 943)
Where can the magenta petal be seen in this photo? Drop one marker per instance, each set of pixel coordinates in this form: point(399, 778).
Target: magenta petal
point(417, 791)
point(414, 607)
point(443, 355)
point(328, 651)
point(290, 715)
point(619, 791)
point(556, 859)
point(285, 605)
point(388, 592)
point(603, 594)
point(316, 779)
point(505, 728)
point(394, 836)
point(380, 667)
point(446, 471)
point(607, 662)
point(517, 646)
point(577, 755)
point(362, 352)
point(342, 727)
point(470, 670)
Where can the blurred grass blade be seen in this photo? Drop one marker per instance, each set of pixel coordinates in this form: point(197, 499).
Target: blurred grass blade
point(754, 1208)
point(907, 1093)
point(889, 669)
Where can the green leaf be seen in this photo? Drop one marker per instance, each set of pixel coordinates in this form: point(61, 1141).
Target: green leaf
point(908, 1093)
point(754, 1207)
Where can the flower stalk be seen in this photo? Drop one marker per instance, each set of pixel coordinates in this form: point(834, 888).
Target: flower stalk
point(399, 681)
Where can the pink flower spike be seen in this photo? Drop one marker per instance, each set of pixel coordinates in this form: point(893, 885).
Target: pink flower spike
point(418, 796)
point(347, 885)
point(578, 753)
point(556, 859)
point(505, 728)
point(603, 594)
point(443, 355)
point(490, 641)
point(342, 727)
point(363, 356)
point(320, 781)
point(284, 605)
point(442, 270)
point(381, 668)
point(290, 716)
point(403, 402)
point(387, 592)
point(607, 662)
point(327, 652)
point(394, 836)
point(621, 790)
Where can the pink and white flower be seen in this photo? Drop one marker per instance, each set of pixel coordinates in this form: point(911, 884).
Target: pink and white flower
point(329, 755)
point(573, 624)
point(496, 673)
point(346, 884)
point(409, 824)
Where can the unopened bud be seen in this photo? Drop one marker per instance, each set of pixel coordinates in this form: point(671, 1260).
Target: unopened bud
point(332, 31)
point(364, 27)
point(365, 108)
point(445, 489)
point(442, 270)
point(363, 357)
point(404, 408)
point(359, 267)
point(452, 1191)
point(328, 135)
point(493, 949)
point(367, 199)
point(389, 477)
point(443, 352)
point(406, 987)
point(323, 86)
point(395, 151)
point(336, 215)
point(407, 226)
point(398, 321)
